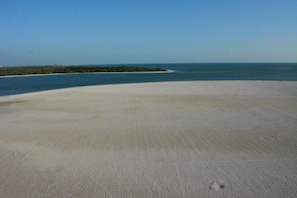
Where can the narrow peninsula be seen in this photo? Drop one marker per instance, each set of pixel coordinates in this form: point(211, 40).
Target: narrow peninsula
point(57, 69)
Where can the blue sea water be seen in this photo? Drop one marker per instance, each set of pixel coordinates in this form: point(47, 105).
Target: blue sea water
point(182, 72)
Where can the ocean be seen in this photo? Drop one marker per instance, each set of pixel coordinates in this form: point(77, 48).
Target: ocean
point(181, 72)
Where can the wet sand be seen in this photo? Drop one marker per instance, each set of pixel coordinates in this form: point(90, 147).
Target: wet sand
point(171, 139)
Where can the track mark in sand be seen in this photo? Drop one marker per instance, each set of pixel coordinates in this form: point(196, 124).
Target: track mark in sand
point(11, 102)
point(268, 139)
point(216, 186)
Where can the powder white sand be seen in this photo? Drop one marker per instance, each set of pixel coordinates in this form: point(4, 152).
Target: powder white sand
point(173, 139)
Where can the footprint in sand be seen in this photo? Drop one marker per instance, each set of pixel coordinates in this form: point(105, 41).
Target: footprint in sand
point(268, 139)
point(216, 186)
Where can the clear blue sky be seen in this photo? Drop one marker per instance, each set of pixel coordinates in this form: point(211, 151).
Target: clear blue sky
point(37, 32)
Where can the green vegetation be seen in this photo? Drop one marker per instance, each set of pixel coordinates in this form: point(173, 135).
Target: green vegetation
point(29, 70)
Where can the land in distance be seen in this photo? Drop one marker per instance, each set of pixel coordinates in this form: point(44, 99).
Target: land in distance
point(29, 70)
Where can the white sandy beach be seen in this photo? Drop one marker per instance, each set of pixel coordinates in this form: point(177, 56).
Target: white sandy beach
point(171, 139)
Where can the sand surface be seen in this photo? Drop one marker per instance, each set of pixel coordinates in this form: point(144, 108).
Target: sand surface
point(173, 139)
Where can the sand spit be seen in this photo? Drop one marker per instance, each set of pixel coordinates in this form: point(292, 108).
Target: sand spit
point(173, 139)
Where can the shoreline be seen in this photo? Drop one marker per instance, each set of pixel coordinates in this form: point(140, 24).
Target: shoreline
point(164, 83)
point(168, 139)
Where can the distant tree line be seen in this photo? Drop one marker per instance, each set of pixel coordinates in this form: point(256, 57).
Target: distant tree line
point(28, 70)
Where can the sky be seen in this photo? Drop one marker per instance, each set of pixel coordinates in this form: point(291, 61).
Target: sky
point(34, 32)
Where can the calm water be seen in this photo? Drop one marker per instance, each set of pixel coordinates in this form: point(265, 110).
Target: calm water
point(182, 72)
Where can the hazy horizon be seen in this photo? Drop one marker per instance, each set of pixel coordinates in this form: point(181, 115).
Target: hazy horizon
point(144, 32)
point(135, 64)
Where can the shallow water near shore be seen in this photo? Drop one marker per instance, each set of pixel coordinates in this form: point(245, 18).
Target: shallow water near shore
point(182, 72)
